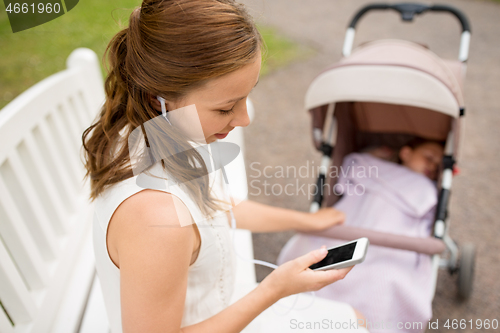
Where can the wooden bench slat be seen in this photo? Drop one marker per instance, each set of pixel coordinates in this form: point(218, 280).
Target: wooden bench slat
point(52, 301)
point(47, 190)
point(82, 105)
point(71, 124)
point(21, 245)
point(14, 294)
point(32, 210)
point(85, 106)
point(91, 101)
point(76, 109)
point(61, 176)
point(61, 133)
point(76, 293)
point(5, 325)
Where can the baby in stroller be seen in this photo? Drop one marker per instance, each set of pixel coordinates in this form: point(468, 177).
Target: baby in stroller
point(387, 190)
point(420, 155)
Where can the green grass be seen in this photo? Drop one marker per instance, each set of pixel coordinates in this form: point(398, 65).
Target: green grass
point(281, 51)
point(29, 56)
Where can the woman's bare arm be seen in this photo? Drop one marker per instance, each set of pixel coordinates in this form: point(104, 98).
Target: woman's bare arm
point(258, 217)
point(153, 253)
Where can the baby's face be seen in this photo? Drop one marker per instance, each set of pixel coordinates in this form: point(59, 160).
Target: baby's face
point(424, 159)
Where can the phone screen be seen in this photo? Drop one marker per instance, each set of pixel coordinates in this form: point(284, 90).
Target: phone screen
point(336, 255)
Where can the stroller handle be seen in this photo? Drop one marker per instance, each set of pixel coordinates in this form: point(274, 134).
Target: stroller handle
point(408, 11)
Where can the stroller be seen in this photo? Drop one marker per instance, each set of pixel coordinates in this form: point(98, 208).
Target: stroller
point(387, 92)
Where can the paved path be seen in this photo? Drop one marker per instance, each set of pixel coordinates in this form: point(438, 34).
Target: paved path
point(280, 134)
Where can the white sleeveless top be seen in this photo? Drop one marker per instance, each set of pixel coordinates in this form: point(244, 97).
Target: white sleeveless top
point(210, 278)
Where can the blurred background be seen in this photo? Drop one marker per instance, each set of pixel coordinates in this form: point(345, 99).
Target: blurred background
point(302, 39)
point(280, 134)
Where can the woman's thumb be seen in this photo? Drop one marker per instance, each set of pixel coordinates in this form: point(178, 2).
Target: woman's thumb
point(312, 257)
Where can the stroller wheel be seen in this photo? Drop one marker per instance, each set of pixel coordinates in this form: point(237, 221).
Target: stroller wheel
point(466, 271)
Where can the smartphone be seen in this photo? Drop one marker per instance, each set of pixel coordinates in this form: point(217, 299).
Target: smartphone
point(346, 255)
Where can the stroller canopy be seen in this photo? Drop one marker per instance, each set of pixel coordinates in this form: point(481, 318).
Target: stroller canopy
point(392, 72)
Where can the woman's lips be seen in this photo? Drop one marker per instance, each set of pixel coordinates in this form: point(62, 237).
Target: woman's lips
point(221, 136)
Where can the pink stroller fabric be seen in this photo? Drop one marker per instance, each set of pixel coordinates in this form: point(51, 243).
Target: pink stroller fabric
point(392, 288)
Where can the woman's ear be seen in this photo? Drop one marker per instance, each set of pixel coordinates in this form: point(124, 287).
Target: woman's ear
point(155, 103)
point(405, 154)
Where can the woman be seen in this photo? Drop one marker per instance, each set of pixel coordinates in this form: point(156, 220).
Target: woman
point(157, 276)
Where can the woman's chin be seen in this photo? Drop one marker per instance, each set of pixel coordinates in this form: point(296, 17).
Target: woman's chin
point(211, 139)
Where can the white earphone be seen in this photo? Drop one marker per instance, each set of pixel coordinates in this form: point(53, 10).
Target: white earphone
point(163, 108)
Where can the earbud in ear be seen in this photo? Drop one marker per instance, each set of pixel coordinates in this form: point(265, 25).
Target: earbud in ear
point(163, 107)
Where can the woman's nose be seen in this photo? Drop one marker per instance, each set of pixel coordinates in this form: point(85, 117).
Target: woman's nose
point(241, 117)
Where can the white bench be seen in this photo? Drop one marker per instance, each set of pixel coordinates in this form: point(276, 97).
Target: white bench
point(47, 274)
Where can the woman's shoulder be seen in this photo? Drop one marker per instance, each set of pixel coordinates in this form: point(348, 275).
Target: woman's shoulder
point(152, 205)
point(145, 220)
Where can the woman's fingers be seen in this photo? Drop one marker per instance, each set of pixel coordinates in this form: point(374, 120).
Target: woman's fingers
point(332, 275)
point(340, 216)
point(326, 218)
point(341, 273)
point(310, 258)
point(295, 276)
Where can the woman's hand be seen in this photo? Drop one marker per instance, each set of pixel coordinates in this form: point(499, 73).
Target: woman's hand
point(295, 276)
point(324, 218)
